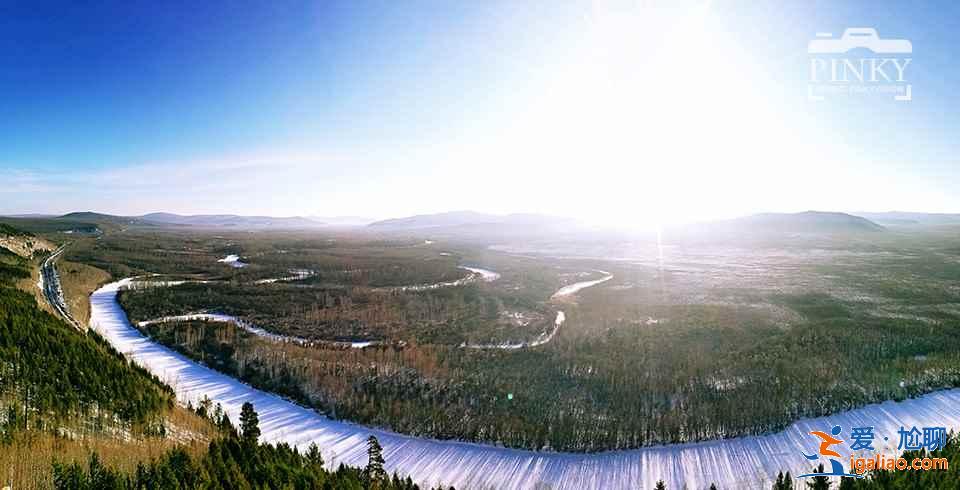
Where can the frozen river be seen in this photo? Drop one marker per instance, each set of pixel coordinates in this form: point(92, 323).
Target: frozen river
point(572, 289)
point(747, 462)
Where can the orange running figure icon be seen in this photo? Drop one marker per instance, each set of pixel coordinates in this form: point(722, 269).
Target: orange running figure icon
point(827, 440)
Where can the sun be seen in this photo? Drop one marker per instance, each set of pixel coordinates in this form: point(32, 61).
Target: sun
point(657, 117)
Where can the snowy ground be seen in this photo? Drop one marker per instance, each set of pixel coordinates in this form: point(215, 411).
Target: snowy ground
point(233, 261)
point(543, 338)
point(295, 275)
point(572, 289)
point(747, 462)
point(486, 275)
point(475, 275)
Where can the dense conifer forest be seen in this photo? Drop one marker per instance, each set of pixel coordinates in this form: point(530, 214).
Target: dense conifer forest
point(48, 372)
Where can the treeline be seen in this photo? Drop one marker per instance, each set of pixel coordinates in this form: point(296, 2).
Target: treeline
point(125, 255)
point(12, 267)
point(48, 372)
point(235, 461)
point(342, 260)
point(433, 391)
point(451, 315)
point(348, 260)
point(216, 345)
point(378, 274)
point(8, 230)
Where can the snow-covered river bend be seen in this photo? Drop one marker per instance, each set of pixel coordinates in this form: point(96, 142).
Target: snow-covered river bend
point(747, 462)
point(547, 335)
point(571, 289)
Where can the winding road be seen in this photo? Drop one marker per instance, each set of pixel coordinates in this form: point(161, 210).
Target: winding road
point(50, 285)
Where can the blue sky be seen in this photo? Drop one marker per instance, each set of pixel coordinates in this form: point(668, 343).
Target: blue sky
point(606, 110)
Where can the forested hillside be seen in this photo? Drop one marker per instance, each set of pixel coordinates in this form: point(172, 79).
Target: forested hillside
point(20, 242)
point(49, 373)
point(64, 394)
point(74, 414)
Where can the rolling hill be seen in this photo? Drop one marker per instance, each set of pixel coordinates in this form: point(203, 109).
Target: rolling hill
point(805, 222)
point(93, 222)
point(230, 220)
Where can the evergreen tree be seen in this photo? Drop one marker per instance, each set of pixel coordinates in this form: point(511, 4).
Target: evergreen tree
point(374, 470)
point(225, 426)
point(713, 486)
point(249, 424)
point(660, 486)
point(203, 408)
point(784, 482)
point(819, 482)
point(314, 458)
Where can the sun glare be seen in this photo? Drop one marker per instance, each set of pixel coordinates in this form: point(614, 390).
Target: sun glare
point(653, 115)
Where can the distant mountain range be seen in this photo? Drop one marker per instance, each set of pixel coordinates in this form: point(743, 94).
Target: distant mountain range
point(30, 215)
point(99, 218)
point(807, 221)
point(472, 223)
point(170, 219)
point(465, 219)
point(463, 222)
point(230, 220)
point(343, 220)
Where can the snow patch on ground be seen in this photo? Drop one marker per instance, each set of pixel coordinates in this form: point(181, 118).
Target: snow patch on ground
point(233, 261)
point(475, 275)
point(485, 275)
point(295, 275)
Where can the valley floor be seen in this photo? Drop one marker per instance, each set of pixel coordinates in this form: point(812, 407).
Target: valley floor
point(747, 462)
